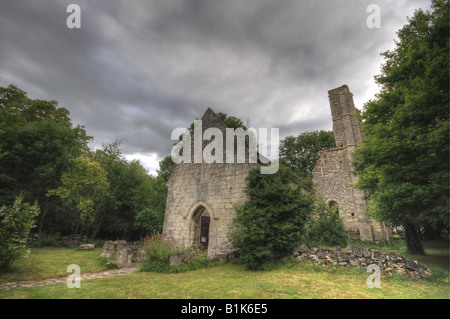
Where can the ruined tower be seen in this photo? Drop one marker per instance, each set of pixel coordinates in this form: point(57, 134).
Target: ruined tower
point(201, 198)
point(333, 178)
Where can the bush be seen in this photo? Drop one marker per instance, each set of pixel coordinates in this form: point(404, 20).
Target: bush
point(149, 221)
point(16, 223)
point(158, 250)
point(108, 263)
point(272, 221)
point(325, 228)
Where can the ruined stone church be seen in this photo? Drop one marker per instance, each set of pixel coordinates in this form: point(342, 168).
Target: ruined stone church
point(201, 196)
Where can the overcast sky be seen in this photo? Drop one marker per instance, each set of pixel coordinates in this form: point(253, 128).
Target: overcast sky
point(136, 70)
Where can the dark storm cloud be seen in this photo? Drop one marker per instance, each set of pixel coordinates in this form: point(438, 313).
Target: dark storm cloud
point(138, 69)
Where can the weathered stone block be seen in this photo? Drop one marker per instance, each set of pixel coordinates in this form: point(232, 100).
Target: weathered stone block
point(86, 246)
point(354, 262)
point(366, 252)
point(378, 255)
point(337, 249)
point(412, 265)
point(341, 257)
point(297, 250)
point(176, 259)
point(348, 250)
point(395, 257)
point(358, 252)
point(108, 249)
point(125, 255)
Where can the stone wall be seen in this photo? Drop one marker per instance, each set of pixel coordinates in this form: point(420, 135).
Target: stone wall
point(202, 189)
point(56, 240)
point(333, 177)
point(214, 187)
point(126, 255)
point(362, 257)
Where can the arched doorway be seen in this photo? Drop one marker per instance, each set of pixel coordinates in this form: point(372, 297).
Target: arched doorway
point(201, 221)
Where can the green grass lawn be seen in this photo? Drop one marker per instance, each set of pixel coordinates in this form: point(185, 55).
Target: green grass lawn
point(229, 281)
point(49, 262)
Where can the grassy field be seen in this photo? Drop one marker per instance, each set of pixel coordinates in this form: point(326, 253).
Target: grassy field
point(229, 281)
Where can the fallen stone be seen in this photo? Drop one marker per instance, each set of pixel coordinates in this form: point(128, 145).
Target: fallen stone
point(176, 259)
point(354, 262)
point(366, 252)
point(298, 250)
point(358, 252)
point(337, 249)
point(412, 265)
point(321, 254)
point(86, 246)
point(125, 255)
point(341, 257)
point(108, 249)
point(395, 257)
point(378, 255)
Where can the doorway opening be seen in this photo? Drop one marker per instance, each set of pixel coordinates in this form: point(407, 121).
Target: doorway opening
point(201, 220)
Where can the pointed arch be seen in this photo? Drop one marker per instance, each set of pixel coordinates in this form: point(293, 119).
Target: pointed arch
point(190, 212)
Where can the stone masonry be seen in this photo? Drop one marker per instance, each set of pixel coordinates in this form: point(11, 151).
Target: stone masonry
point(201, 197)
point(362, 257)
point(333, 178)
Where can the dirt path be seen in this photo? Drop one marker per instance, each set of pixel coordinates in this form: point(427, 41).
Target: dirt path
point(53, 281)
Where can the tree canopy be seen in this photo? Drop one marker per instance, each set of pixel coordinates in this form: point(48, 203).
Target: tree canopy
point(45, 158)
point(403, 164)
point(302, 152)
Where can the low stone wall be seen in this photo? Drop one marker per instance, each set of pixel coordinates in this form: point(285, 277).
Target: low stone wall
point(126, 255)
point(362, 257)
point(57, 241)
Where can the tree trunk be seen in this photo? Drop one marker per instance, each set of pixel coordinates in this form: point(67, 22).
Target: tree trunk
point(413, 239)
point(44, 213)
point(97, 227)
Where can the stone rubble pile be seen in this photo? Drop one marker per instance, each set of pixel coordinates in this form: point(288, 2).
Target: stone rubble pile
point(362, 257)
point(126, 255)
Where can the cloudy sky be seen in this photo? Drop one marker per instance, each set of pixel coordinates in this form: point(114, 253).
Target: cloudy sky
point(136, 70)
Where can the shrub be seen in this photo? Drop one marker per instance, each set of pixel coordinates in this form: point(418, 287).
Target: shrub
point(149, 221)
point(158, 250)
point(326, 227)
point(16, 223)
point(108, 263)
point(272, 221)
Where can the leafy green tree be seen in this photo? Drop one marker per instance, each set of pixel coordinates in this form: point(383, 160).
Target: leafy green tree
point(131, 191)
point(150, 220)
point(165, 165)
point(16, 222)
point(302, 152)
point(83, 188)
point(403, 163)
point(37, 143)
point(272, 221)
point(231, 121)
